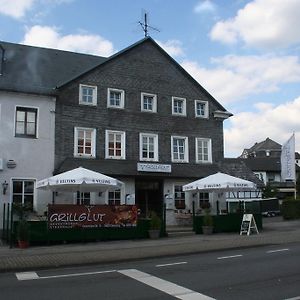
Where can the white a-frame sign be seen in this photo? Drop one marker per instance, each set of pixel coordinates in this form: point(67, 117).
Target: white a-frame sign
point(248, 225)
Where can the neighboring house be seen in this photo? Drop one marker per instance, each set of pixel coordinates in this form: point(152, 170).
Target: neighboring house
point(264, 160)
point(137, 115)
point(28, 77)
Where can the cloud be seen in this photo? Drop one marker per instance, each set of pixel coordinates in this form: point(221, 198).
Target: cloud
point(204, 7)
point(16, 8)
point(172, 47)
point(246, 128)
point(49, 37)
point(263, 24)
point(235, 77)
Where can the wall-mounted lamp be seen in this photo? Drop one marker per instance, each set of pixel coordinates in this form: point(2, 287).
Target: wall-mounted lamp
point(4, 187)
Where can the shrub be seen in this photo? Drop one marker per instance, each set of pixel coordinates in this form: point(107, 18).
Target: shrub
point(207, 218)
point(290, 209)
point(155, 221)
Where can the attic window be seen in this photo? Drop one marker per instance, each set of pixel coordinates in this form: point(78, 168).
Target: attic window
point(201, 109)
point(87, 94)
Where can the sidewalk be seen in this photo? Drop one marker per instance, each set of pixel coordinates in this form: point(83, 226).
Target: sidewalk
point(275, 232)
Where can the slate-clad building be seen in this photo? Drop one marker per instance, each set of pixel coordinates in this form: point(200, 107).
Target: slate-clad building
point(137, 115)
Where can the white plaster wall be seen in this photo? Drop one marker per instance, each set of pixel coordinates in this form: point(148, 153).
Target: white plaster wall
point(34, 157)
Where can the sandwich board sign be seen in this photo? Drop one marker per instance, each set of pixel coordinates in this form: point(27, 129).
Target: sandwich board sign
point(248, 225)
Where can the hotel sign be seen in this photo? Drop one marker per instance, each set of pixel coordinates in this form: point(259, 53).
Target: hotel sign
point(159, 168)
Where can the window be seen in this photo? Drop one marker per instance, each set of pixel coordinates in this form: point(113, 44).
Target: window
point(26, 122)
point(148, 147)
point(148, 102)
point(115, 144)
point(115, 98)
point(85, 142)
point(204, 200)
point(114, 197)
point(83, 198)
point(203, 150)
point(201, 109)
point(178, 106)
point(87, 94)
point(179, 149)
point(23, 193)
point(179, 197)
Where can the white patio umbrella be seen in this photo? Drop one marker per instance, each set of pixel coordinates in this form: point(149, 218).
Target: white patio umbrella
point(79, 179)
point(220, 182)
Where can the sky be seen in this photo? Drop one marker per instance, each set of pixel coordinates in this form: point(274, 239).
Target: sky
point(245, 53)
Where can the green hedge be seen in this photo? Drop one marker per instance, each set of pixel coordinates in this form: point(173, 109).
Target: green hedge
point(226, 223)
point(39, 233)
point(290, 209)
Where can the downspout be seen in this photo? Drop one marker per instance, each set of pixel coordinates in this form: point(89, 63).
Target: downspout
point(2, 59)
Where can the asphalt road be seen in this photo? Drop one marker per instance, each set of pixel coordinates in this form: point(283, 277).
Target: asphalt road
point(271, 272)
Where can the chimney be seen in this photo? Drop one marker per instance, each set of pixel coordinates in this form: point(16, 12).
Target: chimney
point(2, 52)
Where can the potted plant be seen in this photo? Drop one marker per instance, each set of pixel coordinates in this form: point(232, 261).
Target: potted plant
point(155, 225)
point(23, 233)
point(207, 223)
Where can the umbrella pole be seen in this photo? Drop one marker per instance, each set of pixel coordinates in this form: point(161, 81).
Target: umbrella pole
point(53, 197)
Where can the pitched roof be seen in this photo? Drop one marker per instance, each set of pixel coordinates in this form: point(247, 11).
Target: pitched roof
point(267, 144)
point(172, 60)
point(39, 70)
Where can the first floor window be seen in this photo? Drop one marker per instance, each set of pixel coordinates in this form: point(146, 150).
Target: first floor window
point(83, 198)
point(87, 94)
point(85, 141)
point(179, 197)
point(203, 150)
point(114, 197)
point(148, 102)
point(179, 149)
point(115, 144)
point(115, 98)
point(26, 122)
point(148, 147)
point(23, 193)
point(201, 109)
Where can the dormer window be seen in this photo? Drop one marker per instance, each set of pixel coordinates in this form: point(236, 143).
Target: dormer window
point(87, 94)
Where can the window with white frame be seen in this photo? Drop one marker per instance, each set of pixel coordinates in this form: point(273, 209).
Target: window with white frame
point(83, 198)
point(23, 193)
point(84, 142)
point(179, 149)
point(115, 144)
point(203, 150)
point(148, 102)
point(114, 197)
point(179, 197)
point(115, 98)
point(148, 147)
point(204, 200)
point(201, 109)
point(87, 94)
point(178, 106)
point(26, 122)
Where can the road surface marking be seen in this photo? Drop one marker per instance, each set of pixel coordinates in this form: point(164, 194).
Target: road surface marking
point(231, 256)
point(27, 276)
point(33, 275)
point(295, 298)
point(171, 264)
point(164, 286)
point(278, 250)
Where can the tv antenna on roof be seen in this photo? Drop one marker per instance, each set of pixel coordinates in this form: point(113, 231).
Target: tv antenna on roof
point(145, 25)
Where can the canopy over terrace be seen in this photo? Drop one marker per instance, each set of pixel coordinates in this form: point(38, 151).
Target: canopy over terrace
point(79, 179)
point(220, 183)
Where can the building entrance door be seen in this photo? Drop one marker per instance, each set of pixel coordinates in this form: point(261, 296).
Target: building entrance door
point(149, 196)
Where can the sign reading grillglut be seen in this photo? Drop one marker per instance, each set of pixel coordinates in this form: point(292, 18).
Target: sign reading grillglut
point(160, 168)
point(62, 216)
